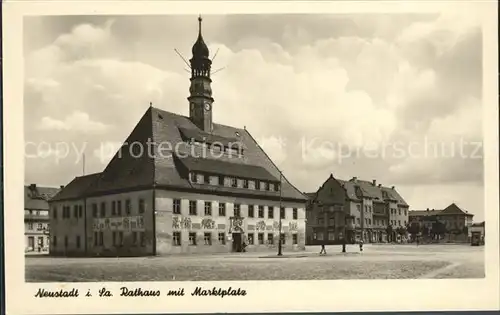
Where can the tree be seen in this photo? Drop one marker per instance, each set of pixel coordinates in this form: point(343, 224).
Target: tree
point(413, 228)
point(389, 233)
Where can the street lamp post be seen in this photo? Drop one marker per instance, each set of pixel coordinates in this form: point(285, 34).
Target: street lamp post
point(343, 238)
point(280, 249)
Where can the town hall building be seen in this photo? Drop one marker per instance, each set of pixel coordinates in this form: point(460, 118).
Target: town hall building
point(181, 185)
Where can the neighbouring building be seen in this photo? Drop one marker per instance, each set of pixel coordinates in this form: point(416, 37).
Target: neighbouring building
point(455, 220)
point(181, 185)
point(356, 209)
point(36, 218)
point(477, 230)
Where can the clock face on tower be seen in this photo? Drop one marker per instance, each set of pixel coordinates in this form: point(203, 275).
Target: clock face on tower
point(207, 106)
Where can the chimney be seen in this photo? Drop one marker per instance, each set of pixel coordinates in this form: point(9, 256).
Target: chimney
point(32, 186)
point(379, 185)
point(393, 187)
point(374, 182)
point(62, 186)
point(427, 209)
point(354, 179)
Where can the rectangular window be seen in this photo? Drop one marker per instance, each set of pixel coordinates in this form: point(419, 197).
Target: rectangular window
point(270, 239)
point(80, 211)
point(101, 238)
point(176, 206)
point(192, 207)
point(234, 182)
point(237, 210)
point(207, 237)
point(176, 239)
point(331, 221)
point(120, 238)
point(54, 212)
point(257, 185)
point(30, 226)
point(128, 206)
point(250, 239)
point(119, 207)
point(295, 239)
point(96, 238)
point(222, 209)
point(65, 241)
point(54, 240)
point(142, 206)
point(266, 185)
point(192, 239)
point(114, 238)
point(270, 212)
point(103, 209)
point(250, 211)
point(221, 180)
point(206, 179)
point(113, 207)
point(39, 227)
point(321, 221)
point(194, 177)
point(245, 183)
point(208, 208)
point(261, 238)
point(143, 239)
point(261, 211)
point(277, 187)
point(282, 238)
point(222, 238)
point(75, 211)
point(282, 212)
point(399, 211)
point(78, 241)
point(134, 238)
point(295, 214)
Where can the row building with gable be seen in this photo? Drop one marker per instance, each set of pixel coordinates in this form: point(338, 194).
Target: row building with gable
point(181, 185)
point(36, 217)
point(355, 210)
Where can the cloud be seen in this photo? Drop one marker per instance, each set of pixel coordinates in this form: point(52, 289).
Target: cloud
point(78, 121)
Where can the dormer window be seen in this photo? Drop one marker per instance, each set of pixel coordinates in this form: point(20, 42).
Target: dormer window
point(276, 187)
point(221, 180)
point(234, 182)
point(194, 177)
point(245, 183)
point(267, 186)
point(206, 179)
point(257, 185)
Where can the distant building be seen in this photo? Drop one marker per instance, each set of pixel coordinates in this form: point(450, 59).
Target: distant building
point(208, 188)
point(36, 218)
point(355, 208)
point(455, 219)
point(477, 230)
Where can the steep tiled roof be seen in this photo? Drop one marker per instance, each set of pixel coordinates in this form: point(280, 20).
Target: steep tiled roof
point(452, 209)
point(76, 188)
point(161, 132)
point(331, 192)
point(368, 189)
point(36, 197)
point(212, 166)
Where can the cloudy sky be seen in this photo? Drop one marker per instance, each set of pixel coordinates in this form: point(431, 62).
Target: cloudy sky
point(395, 98)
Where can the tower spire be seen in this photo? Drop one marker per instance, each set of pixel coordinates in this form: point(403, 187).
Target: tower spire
point(200, 91)
point(199, 24)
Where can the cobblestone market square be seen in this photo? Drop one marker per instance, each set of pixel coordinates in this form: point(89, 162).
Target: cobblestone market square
point(375, 262)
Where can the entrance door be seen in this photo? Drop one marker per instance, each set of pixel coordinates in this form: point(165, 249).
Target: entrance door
point(237, 242)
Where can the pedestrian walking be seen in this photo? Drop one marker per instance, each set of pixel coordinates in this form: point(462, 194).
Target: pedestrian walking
point(360, 245)
point(323, 249)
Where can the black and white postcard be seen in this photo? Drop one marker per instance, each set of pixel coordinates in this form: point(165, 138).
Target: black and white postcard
point(202, 157)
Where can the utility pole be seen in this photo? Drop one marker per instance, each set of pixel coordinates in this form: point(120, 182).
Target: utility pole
point(280, 249)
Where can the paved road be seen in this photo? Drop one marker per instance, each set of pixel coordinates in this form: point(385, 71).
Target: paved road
point(375, 262)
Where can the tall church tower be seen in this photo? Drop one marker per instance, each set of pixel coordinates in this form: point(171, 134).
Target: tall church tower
point(200, 93)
